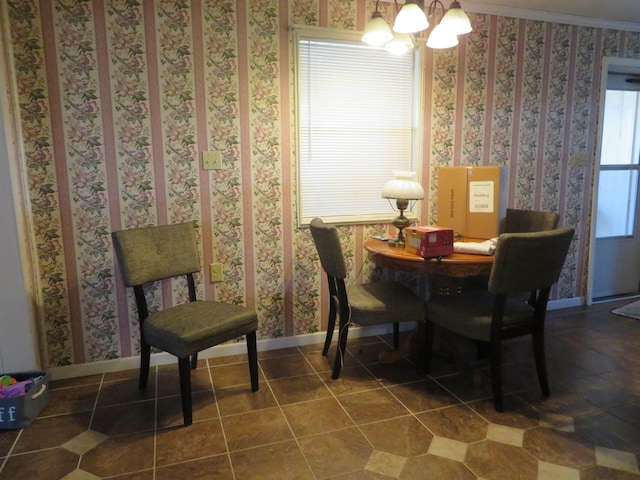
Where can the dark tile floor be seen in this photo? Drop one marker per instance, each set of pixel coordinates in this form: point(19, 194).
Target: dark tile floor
point(375, 422)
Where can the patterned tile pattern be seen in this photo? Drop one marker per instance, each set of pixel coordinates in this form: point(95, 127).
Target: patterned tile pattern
point(375, 422)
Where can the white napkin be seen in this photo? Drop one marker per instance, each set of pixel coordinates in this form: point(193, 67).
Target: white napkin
point(488, 247)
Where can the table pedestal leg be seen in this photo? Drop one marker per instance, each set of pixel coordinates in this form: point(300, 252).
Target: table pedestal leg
point(448, 345)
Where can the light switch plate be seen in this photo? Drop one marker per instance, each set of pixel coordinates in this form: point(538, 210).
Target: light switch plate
point(211, 160)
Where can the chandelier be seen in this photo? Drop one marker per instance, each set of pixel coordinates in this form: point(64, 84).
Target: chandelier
point(412, 19)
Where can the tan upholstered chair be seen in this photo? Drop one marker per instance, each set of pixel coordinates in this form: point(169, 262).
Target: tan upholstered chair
point(151, 254)
point(363, 304)
point(524, 262)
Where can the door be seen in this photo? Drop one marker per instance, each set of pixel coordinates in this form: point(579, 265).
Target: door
point(616, 266)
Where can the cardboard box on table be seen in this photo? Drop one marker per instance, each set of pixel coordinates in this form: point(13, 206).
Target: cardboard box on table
point(472, 200)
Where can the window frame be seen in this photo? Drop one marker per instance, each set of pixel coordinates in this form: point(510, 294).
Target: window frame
point(302, 33)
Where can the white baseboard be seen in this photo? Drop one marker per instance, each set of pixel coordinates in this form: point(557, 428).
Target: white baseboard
point(565, 303)
point(107, 366)
point(127, 363)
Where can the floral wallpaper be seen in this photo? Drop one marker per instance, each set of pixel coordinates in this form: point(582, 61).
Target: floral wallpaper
point(118, 98)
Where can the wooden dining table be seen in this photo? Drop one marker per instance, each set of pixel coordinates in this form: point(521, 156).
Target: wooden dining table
point(446, 274)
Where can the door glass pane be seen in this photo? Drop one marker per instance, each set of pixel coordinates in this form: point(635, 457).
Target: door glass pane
point(617, 193)
point(621, 129)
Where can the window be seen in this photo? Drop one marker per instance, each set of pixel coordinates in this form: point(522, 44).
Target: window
point(358, 120)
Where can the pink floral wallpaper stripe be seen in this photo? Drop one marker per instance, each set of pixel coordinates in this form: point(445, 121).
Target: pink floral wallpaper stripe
point(247, 252)
point(119, 98)
point(110, 152)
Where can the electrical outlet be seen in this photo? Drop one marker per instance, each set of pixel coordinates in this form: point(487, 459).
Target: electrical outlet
point(580, 159)
point(211, 160)
point(216, 273)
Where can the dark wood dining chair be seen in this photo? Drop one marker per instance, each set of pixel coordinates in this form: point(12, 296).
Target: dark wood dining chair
point(152, 254)
point(524, 262)
point(385, 302)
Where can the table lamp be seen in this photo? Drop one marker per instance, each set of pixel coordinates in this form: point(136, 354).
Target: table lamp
point(403, 188)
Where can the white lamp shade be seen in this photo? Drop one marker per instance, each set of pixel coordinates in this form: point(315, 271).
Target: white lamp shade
point(410, 19)
point(403, 186)
point(399, 44)
point(456, 21)
point(441, 38)
point(377, 32)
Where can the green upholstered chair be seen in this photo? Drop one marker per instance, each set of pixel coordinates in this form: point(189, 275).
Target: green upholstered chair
point(364, 304)
point(524, 262)
point(523, 221)
point(150, 254)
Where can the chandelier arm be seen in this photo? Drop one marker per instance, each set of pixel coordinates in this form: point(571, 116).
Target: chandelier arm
point(433, 6)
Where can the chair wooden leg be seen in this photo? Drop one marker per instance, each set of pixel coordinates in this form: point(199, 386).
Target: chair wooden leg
point(496, 375)
point(145, 360)
point(194, 361)
point(533, 298)
point(252, 353)
point(341, 350)
point(429, 332)
point(331, 325)
point(396, 335)
point(541, 364)
point(417, 342)
point(185, 389)
point(483, 349)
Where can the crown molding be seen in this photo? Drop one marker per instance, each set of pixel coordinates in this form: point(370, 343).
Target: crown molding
point(545, 16)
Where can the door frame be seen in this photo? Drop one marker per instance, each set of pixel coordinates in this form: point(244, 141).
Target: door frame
point(22, 348)
point(608, 64)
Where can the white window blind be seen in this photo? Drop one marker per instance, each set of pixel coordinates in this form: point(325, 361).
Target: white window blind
point(356, 124)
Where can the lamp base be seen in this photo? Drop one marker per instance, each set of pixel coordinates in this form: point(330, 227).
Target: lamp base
point(400, 222)
point(397, 243)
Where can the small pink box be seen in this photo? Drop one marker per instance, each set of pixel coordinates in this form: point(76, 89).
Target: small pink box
point(429, 241)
